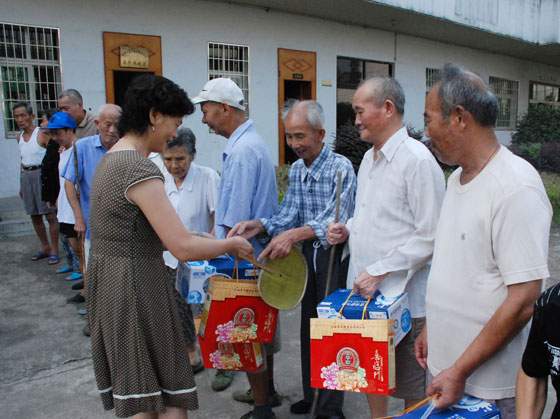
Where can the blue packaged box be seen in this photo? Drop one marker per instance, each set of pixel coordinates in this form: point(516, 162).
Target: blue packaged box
point(378, 308)
point(467, 408)
point(193, 277)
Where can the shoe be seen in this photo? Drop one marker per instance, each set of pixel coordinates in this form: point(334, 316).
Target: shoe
point(300, 408)
point(247, 397)
point(78, 298)
point(85, 330)
point(78, 286)
point(249, 415)
point(198, 367)
point(39, 256)
point(53, 260)
point(73, 276)
point(222, 380)
point(64, 270)
point(83, 311)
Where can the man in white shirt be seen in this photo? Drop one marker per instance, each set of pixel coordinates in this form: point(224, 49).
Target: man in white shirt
point(491, 250)
point(391, 234)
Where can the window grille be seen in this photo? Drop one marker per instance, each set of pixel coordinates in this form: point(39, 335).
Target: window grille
point(230, 60)
point(544, 94)
point(506, 92)
point(29, 69)
point(432, 76)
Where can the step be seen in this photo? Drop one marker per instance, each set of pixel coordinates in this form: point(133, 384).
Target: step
point(12, 208)
point(16, 227)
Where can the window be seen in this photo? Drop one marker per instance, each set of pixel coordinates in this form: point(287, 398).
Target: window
point(349, 74)
point(230, 60)
point(506, 93)
point(29, 69)
point(432, 76)
point(544, 94)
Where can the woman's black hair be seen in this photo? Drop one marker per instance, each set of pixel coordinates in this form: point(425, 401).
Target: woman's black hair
point(148, 92)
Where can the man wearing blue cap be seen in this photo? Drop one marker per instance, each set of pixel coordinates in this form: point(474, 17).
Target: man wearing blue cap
point(89, 151)
point(62, 129)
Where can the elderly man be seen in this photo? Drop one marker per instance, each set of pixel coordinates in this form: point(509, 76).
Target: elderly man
point(247, 190)
point(308, 206)
point(490, 255)
point(32, 148)
point(89, 151)
point(71, 102)
point(391, 235)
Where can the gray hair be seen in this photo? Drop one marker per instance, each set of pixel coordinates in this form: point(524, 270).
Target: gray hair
point(458, 87)
point(25, 105)
point(105, 107)
point(314, 111)
point(71, 94)
point(382, 88)
point(185, 138)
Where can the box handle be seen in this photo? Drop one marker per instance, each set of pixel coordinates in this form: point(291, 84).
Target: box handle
point(414, 407)
point(339, 315)
point(235, 272)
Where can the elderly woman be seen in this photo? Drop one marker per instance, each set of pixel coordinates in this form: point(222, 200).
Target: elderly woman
point(138, 346)
point(192, 190)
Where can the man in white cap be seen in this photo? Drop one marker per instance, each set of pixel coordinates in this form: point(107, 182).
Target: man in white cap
point(247, 191)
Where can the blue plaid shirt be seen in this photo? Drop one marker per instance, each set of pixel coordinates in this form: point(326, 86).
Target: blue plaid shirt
point(311, 197)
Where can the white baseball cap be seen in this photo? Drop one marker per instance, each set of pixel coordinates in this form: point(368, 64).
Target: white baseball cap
point(221, 90)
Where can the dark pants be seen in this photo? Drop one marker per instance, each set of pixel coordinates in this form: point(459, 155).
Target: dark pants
point(330, 401)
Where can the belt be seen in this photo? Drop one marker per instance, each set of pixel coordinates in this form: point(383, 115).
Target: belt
point(28, 168)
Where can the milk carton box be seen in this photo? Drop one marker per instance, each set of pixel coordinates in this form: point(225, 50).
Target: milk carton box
point(192, 277)
point(378, 308)
point(467, 408)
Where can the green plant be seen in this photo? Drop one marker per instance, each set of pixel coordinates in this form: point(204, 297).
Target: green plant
point(282, 180)
point(541, 124)
point(551, 183)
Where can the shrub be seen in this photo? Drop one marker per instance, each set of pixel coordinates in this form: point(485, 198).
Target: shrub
point(282, 180)
point(543, 156)
point(551, 183)
point(541, 124)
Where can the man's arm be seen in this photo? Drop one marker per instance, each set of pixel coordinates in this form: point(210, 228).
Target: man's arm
point(80, 223)
point(530, 395)
point(512, 315)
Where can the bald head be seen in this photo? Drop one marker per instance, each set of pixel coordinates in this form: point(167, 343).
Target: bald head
point(380, 88)
point(459, 87)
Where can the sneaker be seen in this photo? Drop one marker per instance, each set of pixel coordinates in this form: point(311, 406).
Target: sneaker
point(249, 415)
point(73, 276)
point(78, 286)
point(85, 330)
point(78, 298)
point(82, 311)
point(247, 397)
point(300, 408)
point(64, 270)
point(222, 380)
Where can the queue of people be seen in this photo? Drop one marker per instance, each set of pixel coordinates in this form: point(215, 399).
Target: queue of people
point(472, 257)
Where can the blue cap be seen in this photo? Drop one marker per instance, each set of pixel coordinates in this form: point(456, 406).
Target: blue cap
point(61, 120)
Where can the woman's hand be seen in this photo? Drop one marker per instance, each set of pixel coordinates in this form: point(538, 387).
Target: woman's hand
point(242, 249)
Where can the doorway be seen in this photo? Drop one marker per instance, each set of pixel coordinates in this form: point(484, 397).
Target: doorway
point(296, 80)
point(145, 51)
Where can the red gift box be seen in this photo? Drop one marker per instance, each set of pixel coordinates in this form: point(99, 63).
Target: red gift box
point(231, 356)
point(234, 312)
point(353, 355)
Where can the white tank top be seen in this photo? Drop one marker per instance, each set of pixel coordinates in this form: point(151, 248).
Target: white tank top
point(31, 152)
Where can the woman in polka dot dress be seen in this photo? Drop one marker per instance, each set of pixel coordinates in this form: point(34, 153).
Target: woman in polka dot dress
point(141, 366)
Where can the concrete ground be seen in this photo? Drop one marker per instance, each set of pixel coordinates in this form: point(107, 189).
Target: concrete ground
point(45, 361)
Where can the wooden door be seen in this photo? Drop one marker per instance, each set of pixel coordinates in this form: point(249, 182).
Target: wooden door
point(296, 80)
point(125, 56)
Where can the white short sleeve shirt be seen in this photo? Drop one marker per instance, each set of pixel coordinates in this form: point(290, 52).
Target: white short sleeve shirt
point(493, 232)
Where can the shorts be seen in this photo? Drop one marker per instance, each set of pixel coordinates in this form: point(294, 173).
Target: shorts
point(31, 188)
point(411, 377)
point(67, 230)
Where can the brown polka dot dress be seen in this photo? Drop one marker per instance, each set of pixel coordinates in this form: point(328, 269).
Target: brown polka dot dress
point(138, 346)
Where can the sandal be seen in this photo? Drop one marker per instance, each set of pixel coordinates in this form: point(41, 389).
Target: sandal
point(53, 260)
point(39, 256)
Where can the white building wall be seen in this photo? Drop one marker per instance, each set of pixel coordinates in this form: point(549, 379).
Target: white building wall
point(185, 28)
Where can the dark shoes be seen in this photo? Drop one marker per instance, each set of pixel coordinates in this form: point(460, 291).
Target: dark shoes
point(222, 380)
point(78, 298)
point(247, 397)
point(300, 408)
point(85, 330)
point(78, 286)
point(198, 367)
point(249, 415)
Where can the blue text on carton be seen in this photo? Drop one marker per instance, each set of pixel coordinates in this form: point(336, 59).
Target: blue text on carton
point(467, 408)
point(378, 308)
